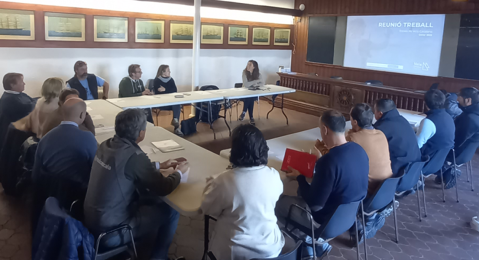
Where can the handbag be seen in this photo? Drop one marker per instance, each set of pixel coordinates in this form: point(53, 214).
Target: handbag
point(188, 126)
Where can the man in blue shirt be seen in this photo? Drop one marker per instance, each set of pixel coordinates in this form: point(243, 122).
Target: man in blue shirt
point(66, 151)
point(87, 84)
point(340, 177)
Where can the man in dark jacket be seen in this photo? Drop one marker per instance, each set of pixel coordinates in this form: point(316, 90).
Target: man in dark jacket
point(403, 147)
point(119, 171)
point(467, 134)
point(87, 84)
point(15, 104)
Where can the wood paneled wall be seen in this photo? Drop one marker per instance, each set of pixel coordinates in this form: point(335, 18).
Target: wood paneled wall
point(373, 7)
point(40, 41)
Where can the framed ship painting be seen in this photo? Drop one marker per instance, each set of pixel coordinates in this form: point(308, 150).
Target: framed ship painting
point(110, 29)
point(181, 32)
point(282, 36)
point(212, 33)
point(238, 34)
point(17, 25)
point(261, 36)
point(151, 31)
point(64, 27)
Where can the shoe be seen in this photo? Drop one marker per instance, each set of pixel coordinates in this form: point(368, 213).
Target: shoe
point(322, 249)
point(175, 123)
point(241, 118)
point(377, 225)
point(451, 182)
point(428, 175)
point(251, 121)
point(178, 132)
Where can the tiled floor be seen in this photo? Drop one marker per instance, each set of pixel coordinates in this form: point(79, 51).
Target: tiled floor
point(444, 234)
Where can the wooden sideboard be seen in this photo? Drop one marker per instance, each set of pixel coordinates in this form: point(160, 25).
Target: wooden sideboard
point(316, 94)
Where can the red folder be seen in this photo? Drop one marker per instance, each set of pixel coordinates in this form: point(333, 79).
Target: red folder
point(301, 161)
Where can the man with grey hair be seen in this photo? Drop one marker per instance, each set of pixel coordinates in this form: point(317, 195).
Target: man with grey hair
point(120, 172)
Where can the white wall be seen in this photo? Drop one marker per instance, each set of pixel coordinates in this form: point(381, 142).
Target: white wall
point(218, 67)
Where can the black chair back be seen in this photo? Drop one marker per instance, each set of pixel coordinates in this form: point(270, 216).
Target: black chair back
point(341, 221)
point(209, 87)
point(374, 83)
point(383, 197)
point(238, 85)
point(412, 173)
point(436, 161)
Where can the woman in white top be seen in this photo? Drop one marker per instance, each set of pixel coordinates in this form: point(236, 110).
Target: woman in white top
point(243, 200)
point(251, 78)
point(48, 103)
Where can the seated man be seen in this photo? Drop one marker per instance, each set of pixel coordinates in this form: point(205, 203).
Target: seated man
point(66, 150)
point(56, 117)
point(436, 131)
point(132, 86)
point(467, 134)
point(341, 176)
point(87, 84)
point(402, 141)
point(375, 144)
point(14, 104)
point(121, 169)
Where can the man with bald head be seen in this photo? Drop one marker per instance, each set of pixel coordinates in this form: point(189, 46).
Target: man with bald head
point(66, 151)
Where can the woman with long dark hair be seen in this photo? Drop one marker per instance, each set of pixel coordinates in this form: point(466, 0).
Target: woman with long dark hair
point(251, 78)
point(165, 84)
point(243, 201)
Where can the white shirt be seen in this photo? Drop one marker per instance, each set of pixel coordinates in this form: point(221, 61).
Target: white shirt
point(427, 129)
point(69, 123)
point(12, 92)
point(243, 202)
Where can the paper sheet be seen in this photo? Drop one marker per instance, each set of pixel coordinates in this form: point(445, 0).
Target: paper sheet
point(87, 102)
point(96, 117)
point(104, 130)
point(148, 149)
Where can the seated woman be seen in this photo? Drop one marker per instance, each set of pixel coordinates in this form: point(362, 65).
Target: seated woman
point(51, 90)
point(251, 78)
point(165, 84)
point(243, 200)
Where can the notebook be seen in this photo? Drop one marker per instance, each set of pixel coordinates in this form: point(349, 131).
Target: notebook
point(301, 161)
point(167, 146)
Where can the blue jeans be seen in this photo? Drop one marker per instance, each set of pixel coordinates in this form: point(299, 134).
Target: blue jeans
point(160, 218)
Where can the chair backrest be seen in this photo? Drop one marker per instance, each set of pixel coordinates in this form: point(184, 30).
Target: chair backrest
point(291, 250)
point(383, 196)
point(411, 175)
point(464, 155)
point(436, 161)
point(209, 87)
point(342, 220)
point(374, 82)
point(336, 77)
point(150, 84)
point(238, 85)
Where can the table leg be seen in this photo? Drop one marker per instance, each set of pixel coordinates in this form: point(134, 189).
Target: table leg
point(210, 118)
point(226, 121)
point(272, 108)
point(207, 237)
point(282, 109)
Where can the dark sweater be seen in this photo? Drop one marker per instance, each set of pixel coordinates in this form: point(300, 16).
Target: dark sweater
point(127, 90)
point(467, 131)
point(68, 151)
point(341, 176)
point(170, 86)
point(402, 140)
point(16, 106)
point(445, 130)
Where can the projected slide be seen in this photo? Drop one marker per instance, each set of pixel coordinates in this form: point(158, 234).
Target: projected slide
point(396, 43)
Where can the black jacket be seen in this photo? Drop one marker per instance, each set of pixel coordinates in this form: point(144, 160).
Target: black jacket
point(170, 86)
point(403, 147)
point(467, 128)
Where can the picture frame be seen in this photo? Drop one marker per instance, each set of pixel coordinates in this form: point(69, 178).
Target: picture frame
point(17, 25)
point(238, 34)
point(110, 29)
point(212, 33)
point(149, 30)
point(181, 32)
point(261, 36)
point(64, 27)
point(282, 37)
